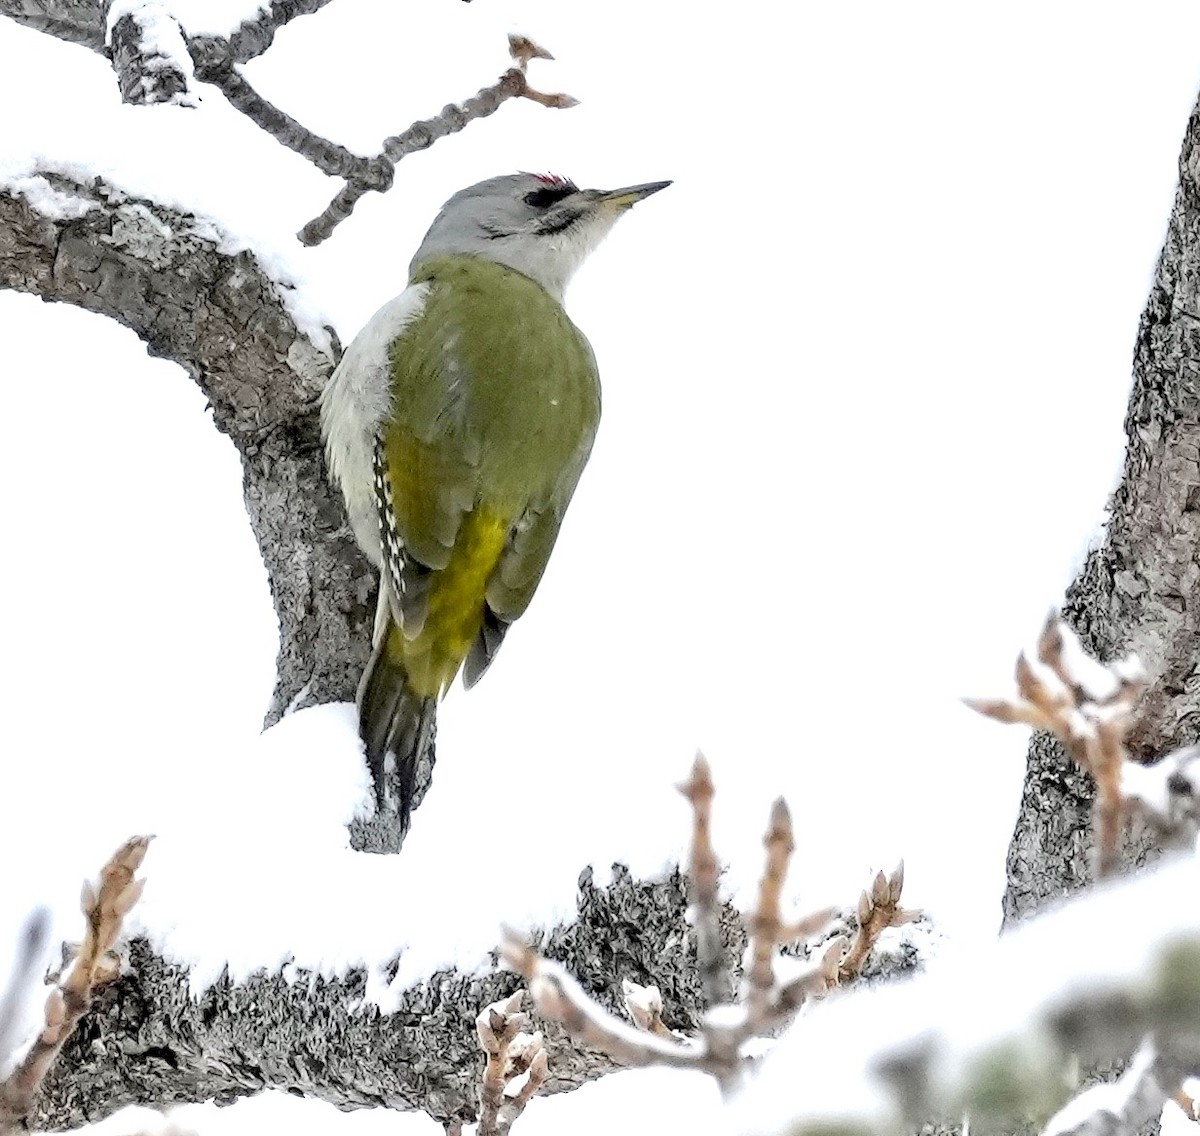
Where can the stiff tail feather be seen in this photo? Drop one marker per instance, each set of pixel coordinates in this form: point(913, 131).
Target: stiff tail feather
point(393, 718)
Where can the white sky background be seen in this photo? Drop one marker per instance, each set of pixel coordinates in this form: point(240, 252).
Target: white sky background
point(864, 369)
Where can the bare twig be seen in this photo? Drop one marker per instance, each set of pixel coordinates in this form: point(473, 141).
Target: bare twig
point(254, 36)
point(104, 908)
point(557, 996)
point(147, 74)
point(878, 909)
point(766, 922)
point(725, 1029)
point(213, 59)
point(711, 957)
point(517, 1064)
point(1089, 708)
point(376, 174)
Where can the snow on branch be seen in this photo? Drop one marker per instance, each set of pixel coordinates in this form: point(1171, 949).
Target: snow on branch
point(1001, 1035)
point(1090, 708)
point(377, 173)
point(149, 54)
point(157, 61)
point(104, 907)
point(769, 1001)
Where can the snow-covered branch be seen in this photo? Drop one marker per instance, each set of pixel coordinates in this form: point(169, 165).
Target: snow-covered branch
point(1000, 1037)
point(157, 61)
point(354, 1040)
point(219, 313)
point(86, 21)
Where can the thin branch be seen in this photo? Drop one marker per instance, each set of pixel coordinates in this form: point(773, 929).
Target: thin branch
point(214, 62)
point(517, 1064)
point(253, 37)
point(711, 956)
point(767, 922)
point(104, 908)
point(377, 173)
point(557, 996)
point(1089, 708)
point(878, 909)
point(719, 1048)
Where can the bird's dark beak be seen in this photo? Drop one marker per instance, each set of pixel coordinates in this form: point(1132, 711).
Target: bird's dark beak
point(630, 195)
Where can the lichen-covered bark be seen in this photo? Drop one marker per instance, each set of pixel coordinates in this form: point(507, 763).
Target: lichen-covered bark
point(1140, 591)
point(147, 1041)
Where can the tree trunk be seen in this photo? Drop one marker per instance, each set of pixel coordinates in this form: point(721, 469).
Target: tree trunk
point(1140, 591)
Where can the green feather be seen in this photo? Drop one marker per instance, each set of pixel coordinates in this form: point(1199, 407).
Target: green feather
point(496, 403)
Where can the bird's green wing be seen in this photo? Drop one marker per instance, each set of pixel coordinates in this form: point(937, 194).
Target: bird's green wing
point(496, 403)
point(517, 575)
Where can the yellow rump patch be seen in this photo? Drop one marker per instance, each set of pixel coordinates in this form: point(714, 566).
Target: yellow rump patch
point(456, 599)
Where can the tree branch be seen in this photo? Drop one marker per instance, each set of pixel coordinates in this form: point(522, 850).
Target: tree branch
point(76, 21)
point(84, 22)
point(1139, 592)
point(377, 173)
point(225, 321)
point(148, 1040)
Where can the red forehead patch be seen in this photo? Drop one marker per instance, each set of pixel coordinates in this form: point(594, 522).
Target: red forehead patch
point(555, 180)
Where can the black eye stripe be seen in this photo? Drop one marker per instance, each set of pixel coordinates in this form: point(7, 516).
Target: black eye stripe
point(547, 195)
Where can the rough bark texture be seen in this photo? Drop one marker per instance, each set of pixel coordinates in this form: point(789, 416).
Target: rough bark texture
point(83, 22)
point(223, 321)
point(1140, 591)
point(77, 21)
point(148, 1041)
point(144, 76)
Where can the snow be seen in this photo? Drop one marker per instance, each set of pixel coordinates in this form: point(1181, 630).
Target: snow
point(47, 199)
point(865, 365)
point(162, 41)
point(831, 1064)
point(197, 17)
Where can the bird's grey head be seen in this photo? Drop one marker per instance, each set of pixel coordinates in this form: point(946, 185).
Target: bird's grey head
point(542, 225)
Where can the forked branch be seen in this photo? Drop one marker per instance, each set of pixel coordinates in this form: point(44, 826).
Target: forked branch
point(517, 1064)
point(376, 174)
point(1090, 707)
point(768, 1003)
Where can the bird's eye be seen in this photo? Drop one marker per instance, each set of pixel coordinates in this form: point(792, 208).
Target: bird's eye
point(547, 195)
